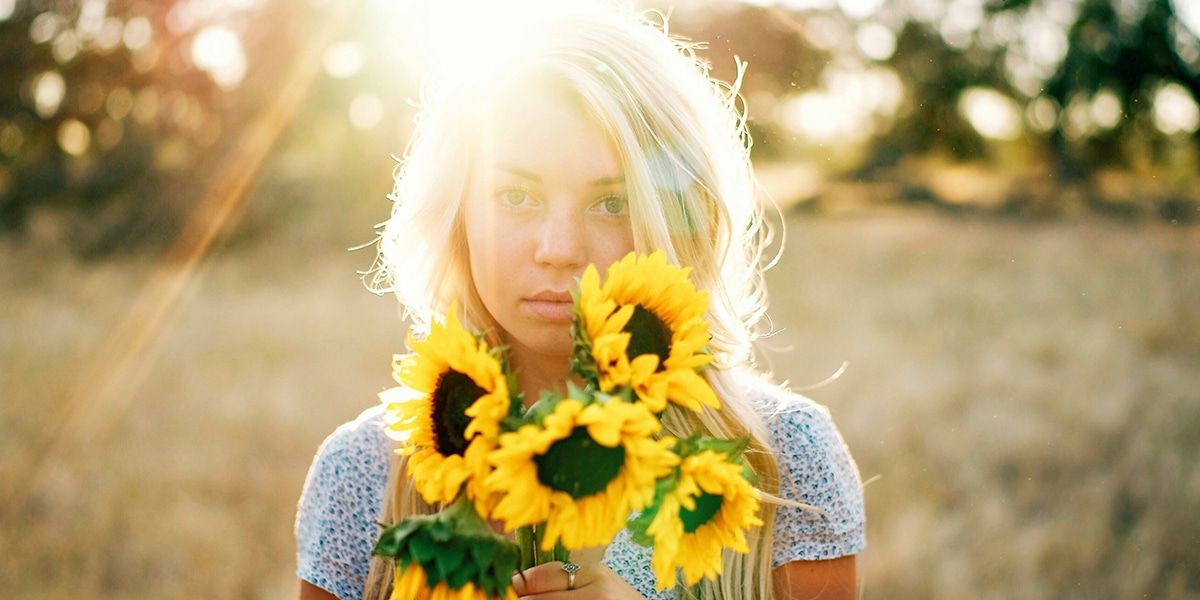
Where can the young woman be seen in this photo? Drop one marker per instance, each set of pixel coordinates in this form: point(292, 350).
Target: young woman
point(598, 136)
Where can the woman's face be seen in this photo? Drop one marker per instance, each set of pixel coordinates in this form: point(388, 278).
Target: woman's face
point(546, 200)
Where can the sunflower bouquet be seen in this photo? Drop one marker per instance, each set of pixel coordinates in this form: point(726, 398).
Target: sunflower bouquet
point(575, 468)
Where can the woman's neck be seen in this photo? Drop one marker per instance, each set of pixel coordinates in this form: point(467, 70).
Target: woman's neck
point(537, 374)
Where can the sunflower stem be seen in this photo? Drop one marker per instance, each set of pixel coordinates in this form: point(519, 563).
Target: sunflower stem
point(561, 554)
point(527, 544)
point(542, 555)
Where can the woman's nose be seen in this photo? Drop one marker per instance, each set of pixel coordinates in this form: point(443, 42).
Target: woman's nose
point(562, 240)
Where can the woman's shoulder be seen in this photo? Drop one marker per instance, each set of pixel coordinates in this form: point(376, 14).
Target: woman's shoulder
point(802, 430)
point(815, 470)
point(786, 413)
point(363, 436)
point(352, 462)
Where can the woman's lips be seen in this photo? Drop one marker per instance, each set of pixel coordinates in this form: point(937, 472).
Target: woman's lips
point(551, 306)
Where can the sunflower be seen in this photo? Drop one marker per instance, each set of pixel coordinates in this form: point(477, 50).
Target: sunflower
point(710, 508)
point(581, 470)
point(645, 328)
point(452, 555)
point(447, 414)
point(411, 584)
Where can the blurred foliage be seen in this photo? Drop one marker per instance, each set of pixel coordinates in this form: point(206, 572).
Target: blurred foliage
point(1129, 59)
point(117, 116)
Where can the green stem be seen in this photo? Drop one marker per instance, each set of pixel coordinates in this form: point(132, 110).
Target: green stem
point(529, 539)
point(526, 542)
point(539, 533)
point(561, 554)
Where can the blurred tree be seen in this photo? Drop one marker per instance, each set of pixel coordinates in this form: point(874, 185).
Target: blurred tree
point(936, 75)
point(1127, 57)
point(116, 115)
point(771, 41)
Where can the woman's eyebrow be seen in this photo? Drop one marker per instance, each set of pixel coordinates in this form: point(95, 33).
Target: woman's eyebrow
point(519, 172)
point(524, 174)
point(603, 181)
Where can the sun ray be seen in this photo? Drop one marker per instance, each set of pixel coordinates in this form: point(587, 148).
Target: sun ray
point(107, 387)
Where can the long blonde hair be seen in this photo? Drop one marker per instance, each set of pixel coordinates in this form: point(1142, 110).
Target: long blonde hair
point(682, 142)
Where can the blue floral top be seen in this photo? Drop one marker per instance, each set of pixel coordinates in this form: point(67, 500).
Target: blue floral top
point(343, 496)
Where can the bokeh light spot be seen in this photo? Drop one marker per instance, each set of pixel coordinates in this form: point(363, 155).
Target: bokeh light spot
point(366, 110)
point(859, 9)
point(961, 20)
point(344, 59)
point(1106, 109)
point(173, 154)
point(218, 50)
point(11, 139)
point(1175, 110)
point(110, 35)
point(49, 88)
point(991, 113)
point(1077, 121)
point(1188, 12)
point(91, 18)
point(145, 60)
point(74, 137)
point(137, 34)
point(1042, 114)
point(876, 41)
point(145, 105)
point(811, 113)
point(181, 19)
point(43, 28)
point(66, 46)
point(119, 103)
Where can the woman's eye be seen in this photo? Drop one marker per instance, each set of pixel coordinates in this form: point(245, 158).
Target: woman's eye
point(513, 196)
point(613, 205)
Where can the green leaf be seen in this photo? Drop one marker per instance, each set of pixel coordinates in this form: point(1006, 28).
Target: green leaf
point(392, 538)
point(639, 524)
point(459, 577)
point(484, 553)
point(422, 549)
point(541, 409)
point(440, 531)
point(449, 558)
point(512, 422)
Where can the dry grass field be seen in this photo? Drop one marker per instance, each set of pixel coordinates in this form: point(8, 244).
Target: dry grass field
point(1024, 395)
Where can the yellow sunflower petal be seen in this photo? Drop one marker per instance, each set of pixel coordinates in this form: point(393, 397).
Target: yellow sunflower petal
point(593, 518)
point(409, 583)
point(698, 553)
point(658, 294)
point(449, 355)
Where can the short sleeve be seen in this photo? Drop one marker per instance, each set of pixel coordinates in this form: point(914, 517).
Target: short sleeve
point(340, 505)
point(815, 468)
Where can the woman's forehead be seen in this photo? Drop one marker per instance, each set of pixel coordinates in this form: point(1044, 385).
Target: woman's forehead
point(543, 135)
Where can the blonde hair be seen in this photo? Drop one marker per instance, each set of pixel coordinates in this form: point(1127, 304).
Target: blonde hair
point(684, 150)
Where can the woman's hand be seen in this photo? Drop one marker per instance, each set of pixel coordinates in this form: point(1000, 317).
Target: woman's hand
point(549, 582)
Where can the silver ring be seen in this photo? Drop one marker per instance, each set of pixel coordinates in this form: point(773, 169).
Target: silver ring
point(570, 568)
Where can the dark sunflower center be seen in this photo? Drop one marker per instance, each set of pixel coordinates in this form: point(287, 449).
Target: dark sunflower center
point(648, 335)
point(707, 506)
point(578, 465)
point(455, 393)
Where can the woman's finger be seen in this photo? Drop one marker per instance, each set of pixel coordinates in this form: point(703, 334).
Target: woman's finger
point(547, 577)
